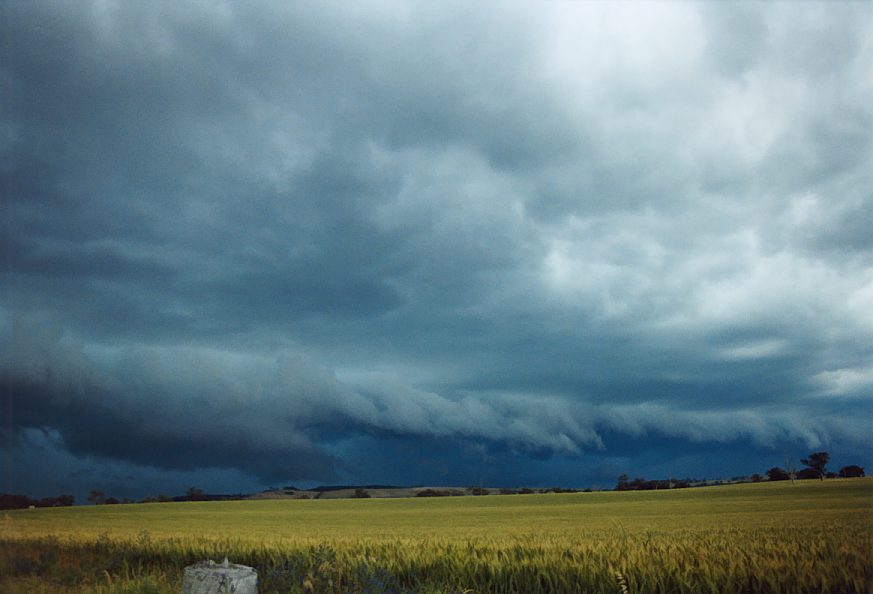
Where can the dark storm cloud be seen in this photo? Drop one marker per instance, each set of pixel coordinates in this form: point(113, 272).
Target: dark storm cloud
point(268, 238)
point(128, 412)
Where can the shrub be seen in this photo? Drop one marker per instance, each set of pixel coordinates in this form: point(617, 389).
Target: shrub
point(851, 471)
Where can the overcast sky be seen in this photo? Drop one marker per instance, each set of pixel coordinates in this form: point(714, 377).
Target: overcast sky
point(541, 243)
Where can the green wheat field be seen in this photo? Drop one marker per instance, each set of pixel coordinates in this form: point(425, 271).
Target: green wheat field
point(811, 536)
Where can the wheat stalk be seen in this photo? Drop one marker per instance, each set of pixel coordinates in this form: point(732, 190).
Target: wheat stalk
point(622, 583)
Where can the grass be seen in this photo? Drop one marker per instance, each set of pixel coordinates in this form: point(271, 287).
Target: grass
point(809, 537)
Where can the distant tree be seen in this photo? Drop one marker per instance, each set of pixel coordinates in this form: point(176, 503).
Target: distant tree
point(622, 484)
point(756, 478)
point(526, 491)
point(852, 471)
point(97, 497)
point(777, 474)
point(112, 501)
point(158, 499)
point(194, 494)
point(14, 501)
point(506, 491)
point(433, 493)
point(817, 461)
point(478, 491)
point(48, 502)
point(807, 474)
point(361, 494)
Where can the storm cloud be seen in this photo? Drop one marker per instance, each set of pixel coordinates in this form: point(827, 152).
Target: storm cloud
point(421, 243)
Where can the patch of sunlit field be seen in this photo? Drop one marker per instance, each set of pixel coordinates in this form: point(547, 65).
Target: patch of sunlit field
point(811, 536)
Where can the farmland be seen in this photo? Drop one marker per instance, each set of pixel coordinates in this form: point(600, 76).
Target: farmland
point(768, 537)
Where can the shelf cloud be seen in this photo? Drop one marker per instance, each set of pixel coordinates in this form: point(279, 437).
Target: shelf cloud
point(281, 242)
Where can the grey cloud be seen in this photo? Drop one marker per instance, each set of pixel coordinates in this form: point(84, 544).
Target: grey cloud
point(763, 426)
point(183, 408)
point(41, 465)
point(175, 410)
point(518, 226)
point(737, 38)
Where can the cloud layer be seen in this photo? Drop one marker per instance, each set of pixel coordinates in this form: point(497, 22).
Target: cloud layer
point(282, 238)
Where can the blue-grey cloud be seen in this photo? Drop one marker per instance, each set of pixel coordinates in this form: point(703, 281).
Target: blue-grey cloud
point(248, 238)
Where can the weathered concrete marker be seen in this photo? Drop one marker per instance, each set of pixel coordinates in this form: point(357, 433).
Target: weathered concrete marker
point(209, 577)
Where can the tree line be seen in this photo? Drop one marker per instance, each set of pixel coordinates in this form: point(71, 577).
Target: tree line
point(815, 468)
point(192, 494)
point(15, 501)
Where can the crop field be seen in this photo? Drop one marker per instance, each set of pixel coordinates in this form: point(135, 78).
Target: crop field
point(768, 537)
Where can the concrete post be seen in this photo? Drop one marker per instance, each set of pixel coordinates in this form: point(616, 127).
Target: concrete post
point(209, 577)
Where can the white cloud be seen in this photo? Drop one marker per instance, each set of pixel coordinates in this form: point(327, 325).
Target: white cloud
point(852, 382)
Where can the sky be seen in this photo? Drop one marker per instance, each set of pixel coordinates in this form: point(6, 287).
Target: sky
point(509, 243)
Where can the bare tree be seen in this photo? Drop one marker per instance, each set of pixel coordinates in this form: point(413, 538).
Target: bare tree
point(790, 468)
